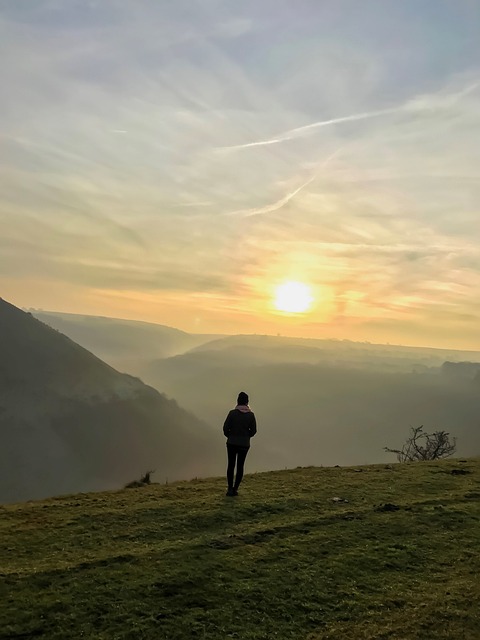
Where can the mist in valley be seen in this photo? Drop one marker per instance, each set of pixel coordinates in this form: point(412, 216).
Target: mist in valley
point(318, 402)
point(323, 414)
point(71, 421)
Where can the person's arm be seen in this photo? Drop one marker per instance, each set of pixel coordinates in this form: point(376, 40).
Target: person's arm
point(227, 425)
point(253, 426)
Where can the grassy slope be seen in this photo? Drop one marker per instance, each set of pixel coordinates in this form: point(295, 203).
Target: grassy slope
point(280, 561)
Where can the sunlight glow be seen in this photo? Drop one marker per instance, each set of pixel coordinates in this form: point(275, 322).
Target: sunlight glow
point(293, 297)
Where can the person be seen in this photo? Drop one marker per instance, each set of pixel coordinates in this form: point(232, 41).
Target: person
point(240, 425)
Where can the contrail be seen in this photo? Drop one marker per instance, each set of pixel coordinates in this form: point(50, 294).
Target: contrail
point(274, 206)
point(300, 131)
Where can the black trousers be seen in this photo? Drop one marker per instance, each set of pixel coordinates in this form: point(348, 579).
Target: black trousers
point(236, 455)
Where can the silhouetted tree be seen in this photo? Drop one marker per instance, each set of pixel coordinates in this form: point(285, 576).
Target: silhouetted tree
point(425, 446)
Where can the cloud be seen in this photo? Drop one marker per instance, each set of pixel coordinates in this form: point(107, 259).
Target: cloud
point(141, 149)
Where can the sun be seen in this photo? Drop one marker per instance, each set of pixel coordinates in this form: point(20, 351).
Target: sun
point(293, 297)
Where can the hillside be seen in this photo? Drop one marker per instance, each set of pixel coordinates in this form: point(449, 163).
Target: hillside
point(388, 551)
point(125, 344)
point(69, 422)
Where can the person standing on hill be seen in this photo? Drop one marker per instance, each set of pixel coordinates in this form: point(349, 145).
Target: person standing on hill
point(240, 425)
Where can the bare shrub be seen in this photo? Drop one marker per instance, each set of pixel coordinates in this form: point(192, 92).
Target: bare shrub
point(425, 446)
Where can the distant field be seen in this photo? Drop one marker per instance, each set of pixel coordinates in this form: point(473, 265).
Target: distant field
point(282, 561)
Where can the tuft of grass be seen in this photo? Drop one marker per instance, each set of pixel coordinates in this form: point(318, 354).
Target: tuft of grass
point(396, 557)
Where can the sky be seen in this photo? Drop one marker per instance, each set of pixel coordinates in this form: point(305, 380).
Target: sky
point(175, 162)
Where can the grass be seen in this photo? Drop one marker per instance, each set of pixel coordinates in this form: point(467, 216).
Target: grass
point(281, 561)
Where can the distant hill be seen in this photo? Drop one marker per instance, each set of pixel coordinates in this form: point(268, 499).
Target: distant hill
point(365, 355)
point(124, 344)
point(133, 346)
point(69, 422)
point(363, 553)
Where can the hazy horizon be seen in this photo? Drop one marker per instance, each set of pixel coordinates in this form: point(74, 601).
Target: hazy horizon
point(176, 163)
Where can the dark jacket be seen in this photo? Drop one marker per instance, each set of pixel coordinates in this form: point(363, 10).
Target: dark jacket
point(239, 427)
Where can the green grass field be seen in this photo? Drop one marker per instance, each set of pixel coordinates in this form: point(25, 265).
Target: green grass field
point(283, 560)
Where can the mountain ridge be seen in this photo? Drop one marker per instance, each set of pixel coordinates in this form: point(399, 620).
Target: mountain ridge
point(216, 340)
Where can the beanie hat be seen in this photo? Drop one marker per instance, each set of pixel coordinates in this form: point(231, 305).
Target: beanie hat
point(242, 398)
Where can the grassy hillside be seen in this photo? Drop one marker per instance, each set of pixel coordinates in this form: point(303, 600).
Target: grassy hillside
point(283, 560)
